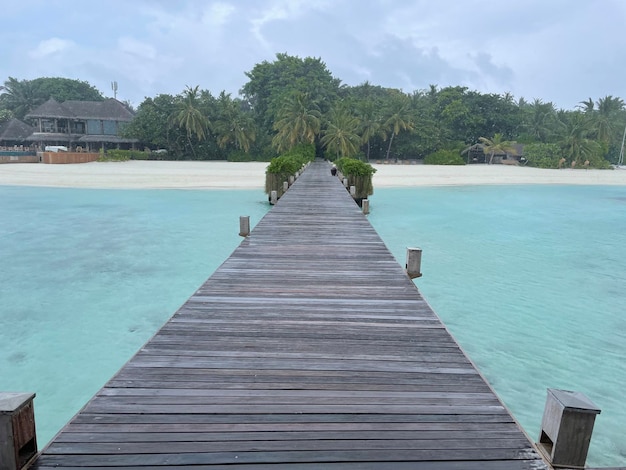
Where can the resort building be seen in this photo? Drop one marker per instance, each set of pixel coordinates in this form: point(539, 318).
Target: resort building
point(80, 125)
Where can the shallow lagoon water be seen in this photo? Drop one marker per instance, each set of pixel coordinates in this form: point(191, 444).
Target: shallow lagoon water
point(529, 279)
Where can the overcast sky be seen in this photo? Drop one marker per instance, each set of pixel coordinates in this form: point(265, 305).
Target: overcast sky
point(563, 51)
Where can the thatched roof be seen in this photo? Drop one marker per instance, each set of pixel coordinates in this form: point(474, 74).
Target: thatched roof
point(108, 110)
point(112, 139)
point(14, 129)
point(50, 136)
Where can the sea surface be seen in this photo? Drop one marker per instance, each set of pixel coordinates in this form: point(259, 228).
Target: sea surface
point(530, 280)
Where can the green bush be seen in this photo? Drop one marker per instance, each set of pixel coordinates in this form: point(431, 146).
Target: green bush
point(542, 155)
point(241, 156)
point(115, 155)
point(359, 175)
point(286, 165)
point(444, 157)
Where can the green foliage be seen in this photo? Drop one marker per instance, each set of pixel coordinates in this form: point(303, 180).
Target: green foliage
point(299, 122)
point(340, 136)
point(444, 157)
point(5, 115)
point(22, 96)
point(359, 174)
point(354, 167)
point(295, 100)
point(241, 156)
point(116, 155)
point(543, 155)
point(270, 82)
point(286, 165)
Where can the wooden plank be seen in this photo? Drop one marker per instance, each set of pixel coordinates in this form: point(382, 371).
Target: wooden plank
point(309, 347)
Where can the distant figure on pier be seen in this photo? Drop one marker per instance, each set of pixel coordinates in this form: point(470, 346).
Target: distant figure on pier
point(333, 170)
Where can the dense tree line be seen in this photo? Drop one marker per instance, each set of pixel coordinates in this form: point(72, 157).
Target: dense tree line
point(291, 101)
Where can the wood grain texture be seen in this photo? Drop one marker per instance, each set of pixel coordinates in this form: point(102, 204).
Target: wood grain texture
point(308, 348)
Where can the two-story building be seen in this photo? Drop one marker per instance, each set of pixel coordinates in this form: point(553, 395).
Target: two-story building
point(80, 125)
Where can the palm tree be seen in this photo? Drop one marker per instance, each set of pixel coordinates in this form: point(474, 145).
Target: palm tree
point(189, 117)
point(604, 119)
point(233, 126)
point(575, 141)
point(539, 120)
point(497, 145)
point(19, 97)
point(370, 124)
point(299, 121)
point(340, 135)
point(586, 106)
point(399, 118)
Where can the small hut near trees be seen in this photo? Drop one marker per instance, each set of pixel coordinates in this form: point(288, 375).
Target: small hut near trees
point(13, 133)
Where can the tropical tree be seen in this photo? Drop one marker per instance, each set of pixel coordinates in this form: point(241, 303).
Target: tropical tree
point(586, 106)
point(539, 120)
point(398, 119)
point(188, 117)
point(341, 133)
point(575, 141)
point(496, 144)
point(232, 125)
point(271, 82)
point(21, 96)
point(5, 115)
point(605, 118)
point(299, 122)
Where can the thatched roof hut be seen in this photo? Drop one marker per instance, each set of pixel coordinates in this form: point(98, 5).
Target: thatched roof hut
point(14, 132)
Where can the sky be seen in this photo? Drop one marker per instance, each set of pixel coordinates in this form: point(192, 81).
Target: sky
point(564, 51)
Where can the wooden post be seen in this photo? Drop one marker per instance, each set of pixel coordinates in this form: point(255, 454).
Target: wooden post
point(18, 440)
point(345, 182)
point(414, 262)
point(285, 186)
point(244, 225)
point(566, 428)
point(273, 197)
point(366, 206)
point(291, 180)
point(352, 191)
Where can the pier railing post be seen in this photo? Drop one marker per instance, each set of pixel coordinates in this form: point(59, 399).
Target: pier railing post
point(285, 186)
point(366, 206)
point(352, 191)
point(414, 262)
point(345, 182)
point(566, 428)
point(273, 197)
point(244, 225)
point(291, 180)
point(18, 440)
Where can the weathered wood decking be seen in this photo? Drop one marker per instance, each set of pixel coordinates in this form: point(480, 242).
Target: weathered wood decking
point(308, 348)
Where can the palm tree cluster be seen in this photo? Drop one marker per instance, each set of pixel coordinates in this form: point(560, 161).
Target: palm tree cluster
point(292, 101)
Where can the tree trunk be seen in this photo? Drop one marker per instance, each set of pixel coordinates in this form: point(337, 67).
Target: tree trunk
point(389, 148)
point(191, 146)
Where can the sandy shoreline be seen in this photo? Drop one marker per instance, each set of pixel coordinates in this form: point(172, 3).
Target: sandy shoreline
point(251, 175)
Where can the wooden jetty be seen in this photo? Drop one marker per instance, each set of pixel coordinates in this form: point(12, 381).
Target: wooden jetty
point(308, 348)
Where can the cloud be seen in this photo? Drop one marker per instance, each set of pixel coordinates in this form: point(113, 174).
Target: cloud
point(138, 49)
point(49, 47)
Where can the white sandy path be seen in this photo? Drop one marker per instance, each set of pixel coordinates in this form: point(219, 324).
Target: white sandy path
point(251, 175)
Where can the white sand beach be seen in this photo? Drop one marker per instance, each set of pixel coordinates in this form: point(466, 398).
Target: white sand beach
point(251, 175)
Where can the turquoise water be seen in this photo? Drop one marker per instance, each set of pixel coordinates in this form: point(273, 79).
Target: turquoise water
point(529, 279)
